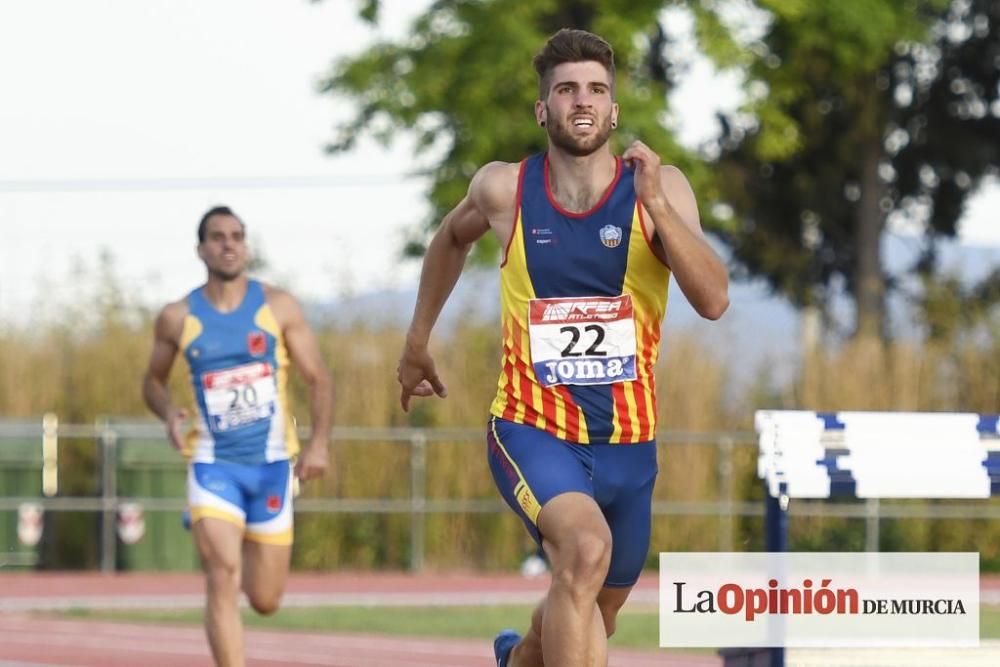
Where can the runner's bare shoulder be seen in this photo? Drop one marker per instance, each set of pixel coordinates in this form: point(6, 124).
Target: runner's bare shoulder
point(494, 187)
point(170, 321)
point(285, 307)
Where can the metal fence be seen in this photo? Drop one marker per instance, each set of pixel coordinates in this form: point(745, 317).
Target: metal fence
point(42, 437)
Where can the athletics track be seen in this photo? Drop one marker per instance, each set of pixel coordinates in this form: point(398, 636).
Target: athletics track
point(28, 638)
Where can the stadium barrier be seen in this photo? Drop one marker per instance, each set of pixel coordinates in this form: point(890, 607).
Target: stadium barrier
point(870, 456)
point(136, 470)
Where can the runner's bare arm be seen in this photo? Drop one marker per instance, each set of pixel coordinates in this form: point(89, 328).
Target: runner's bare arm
point(491, 191)
point(305, 353)
point(166, 334)
point(488, 205)
point(667, 197)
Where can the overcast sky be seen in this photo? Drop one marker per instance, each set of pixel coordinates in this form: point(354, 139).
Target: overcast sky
point(121, 121)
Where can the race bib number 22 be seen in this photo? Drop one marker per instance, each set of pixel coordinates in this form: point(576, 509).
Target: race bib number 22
point(586, 340)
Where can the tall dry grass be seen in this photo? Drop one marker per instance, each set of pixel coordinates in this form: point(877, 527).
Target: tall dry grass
point(92, 367)
point(962, 375)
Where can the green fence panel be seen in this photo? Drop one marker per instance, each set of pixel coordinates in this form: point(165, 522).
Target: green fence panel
point(152, 469)
point(20, 477)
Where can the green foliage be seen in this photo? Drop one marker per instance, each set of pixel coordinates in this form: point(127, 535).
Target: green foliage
point(950, 309)
point(858, 112)
point(463, 85)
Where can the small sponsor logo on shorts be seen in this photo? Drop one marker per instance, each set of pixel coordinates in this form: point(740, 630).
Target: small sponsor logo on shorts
point(504, 462)
point(257, 343)
point(274, 504)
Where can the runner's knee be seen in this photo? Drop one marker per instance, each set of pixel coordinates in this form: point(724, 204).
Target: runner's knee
point(584, 560)
point(223, 577)
point(265, 604)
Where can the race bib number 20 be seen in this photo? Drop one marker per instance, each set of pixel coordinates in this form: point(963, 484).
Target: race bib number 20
point(587, 340)
point(240, 396)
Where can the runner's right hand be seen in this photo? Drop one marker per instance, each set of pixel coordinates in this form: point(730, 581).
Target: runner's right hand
point(417, 376)
point(175, 427)
point(314, 459)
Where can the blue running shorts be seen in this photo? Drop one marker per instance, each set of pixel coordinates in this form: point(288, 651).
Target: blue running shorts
point(531, 466)
point(255, 497)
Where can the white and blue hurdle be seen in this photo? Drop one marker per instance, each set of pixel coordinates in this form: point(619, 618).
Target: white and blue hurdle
point(872, 455)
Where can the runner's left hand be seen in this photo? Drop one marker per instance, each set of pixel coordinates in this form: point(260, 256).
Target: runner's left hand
point(648, 186)
point(313, 461)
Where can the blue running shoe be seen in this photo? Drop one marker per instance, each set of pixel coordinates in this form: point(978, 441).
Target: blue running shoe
point(502, 645)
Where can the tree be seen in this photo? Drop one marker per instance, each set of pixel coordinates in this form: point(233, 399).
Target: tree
point(463, 83)
point(859, 112)
point(949, 308)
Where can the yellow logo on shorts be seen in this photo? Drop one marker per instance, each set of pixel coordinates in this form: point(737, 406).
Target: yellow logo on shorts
point(526, 499)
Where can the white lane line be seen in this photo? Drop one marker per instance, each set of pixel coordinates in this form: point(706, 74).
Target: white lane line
point(196, 601)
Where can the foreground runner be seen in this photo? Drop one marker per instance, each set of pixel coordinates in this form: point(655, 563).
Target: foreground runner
point(591, 240)
point(238, 337)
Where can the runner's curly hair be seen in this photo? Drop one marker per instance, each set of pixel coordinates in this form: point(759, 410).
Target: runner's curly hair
point(572, 46)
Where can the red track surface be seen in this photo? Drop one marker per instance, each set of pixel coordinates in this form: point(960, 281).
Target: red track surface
point(33, 640)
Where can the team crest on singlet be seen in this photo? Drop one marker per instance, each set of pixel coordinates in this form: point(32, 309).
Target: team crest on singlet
point(256, 343)
point(611, 236)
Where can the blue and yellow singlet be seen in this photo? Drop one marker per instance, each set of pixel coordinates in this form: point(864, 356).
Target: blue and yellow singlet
point(582, 299)
point(239, 371)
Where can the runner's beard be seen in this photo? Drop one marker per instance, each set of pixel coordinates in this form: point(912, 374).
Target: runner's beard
point(560, 136)
point(226, 276)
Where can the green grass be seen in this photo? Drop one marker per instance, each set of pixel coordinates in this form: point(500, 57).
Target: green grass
point(989, 622)
point(637, 629)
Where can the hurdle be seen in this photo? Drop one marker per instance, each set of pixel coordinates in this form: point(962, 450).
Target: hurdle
point(870, 455)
